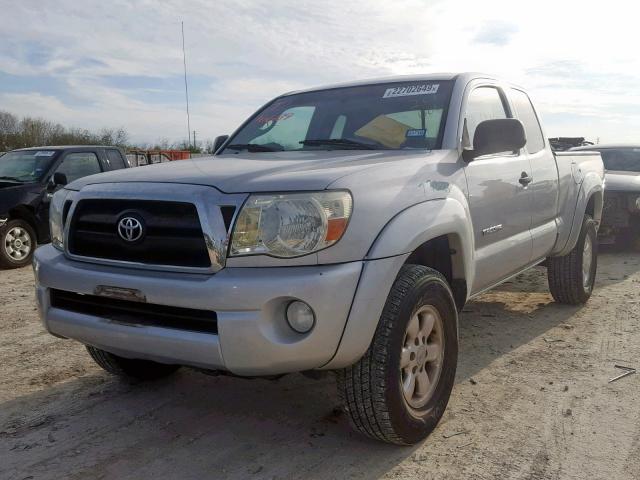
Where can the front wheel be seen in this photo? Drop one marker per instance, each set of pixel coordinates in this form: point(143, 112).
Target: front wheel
point(572, 276)
point(398, 391)
point(17, 244)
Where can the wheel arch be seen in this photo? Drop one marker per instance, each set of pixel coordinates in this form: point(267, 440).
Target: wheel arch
point(444, 254)
point(590, 201)
point(436, 234)
point(26, 213)
point(595, 205)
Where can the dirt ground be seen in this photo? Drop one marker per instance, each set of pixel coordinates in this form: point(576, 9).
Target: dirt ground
point(531, 402)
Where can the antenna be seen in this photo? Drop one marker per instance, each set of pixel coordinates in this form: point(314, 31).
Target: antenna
point(186, 88)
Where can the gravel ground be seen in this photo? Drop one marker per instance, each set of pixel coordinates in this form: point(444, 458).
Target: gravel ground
point(531, 402)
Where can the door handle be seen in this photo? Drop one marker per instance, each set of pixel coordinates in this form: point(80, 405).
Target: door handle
point(525, 179)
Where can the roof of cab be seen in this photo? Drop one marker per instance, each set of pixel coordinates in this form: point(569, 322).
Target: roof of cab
point(65, 147)
point(463, 76)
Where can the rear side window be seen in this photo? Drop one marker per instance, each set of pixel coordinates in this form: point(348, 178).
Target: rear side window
point(78, 165)
point(527, 115)
point(115, 159)
point(484, 103)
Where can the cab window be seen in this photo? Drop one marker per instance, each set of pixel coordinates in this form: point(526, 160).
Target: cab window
point(527, 115)
point(79, 164)
point(115, 159)
point(484, 103)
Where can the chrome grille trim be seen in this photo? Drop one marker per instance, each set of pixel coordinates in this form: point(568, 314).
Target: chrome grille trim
point(207, 201)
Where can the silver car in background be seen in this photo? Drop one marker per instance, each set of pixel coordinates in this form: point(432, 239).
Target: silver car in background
point(621, 213)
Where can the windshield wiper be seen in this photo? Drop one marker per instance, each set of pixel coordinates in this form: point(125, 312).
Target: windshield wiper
point(13, 179)
point(251, 147)
point(339, 142)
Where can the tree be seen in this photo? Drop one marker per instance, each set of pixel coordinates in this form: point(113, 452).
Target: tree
point(37, 132)
point(8, 129)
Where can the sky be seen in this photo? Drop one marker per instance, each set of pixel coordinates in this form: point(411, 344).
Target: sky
point(94, 64)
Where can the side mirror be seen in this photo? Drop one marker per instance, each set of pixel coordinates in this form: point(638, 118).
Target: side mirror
point(496, 136)
point(219, 141)
point(59, 179)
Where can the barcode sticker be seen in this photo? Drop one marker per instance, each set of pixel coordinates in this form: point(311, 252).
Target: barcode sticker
point(407, 90)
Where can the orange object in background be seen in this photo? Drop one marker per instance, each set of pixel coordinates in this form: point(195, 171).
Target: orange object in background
point(146, 157)
point(175, 154)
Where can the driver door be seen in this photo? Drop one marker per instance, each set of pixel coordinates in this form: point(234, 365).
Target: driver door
point(500, 204)
point(73, 165)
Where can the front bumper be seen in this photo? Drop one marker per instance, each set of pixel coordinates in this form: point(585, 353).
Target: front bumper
point(253, 337)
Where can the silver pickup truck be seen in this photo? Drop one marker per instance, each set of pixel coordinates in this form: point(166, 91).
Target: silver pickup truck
point(339, 228)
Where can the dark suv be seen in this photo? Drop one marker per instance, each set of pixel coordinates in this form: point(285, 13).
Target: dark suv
point(28, 178)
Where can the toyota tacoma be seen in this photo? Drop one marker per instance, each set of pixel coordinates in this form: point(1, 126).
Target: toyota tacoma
point(340, 228)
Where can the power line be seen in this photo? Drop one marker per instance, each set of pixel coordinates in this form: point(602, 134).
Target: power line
point(186, 88)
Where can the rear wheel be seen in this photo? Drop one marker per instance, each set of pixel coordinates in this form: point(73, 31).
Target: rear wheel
point(572, 276)
point(398, 391)
point(130, 368)
point(17, 243)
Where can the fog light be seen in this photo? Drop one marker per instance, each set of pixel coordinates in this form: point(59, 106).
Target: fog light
point(300, 316)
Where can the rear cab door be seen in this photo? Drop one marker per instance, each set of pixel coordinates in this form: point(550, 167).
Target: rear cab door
point(543, 188)
point(499, 201)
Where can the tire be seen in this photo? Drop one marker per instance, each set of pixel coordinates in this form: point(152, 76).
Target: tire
point(18, 241)
point(130, 368)
point(570, 280)
point(372, 390)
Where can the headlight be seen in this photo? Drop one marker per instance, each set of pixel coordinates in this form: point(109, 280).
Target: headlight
point(290, 225)
point(55, 218)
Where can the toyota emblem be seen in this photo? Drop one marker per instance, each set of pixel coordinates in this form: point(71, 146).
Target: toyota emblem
point(130, 229)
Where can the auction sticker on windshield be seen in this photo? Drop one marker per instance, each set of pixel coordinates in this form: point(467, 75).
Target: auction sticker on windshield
point(44, 153)
point(407, 90)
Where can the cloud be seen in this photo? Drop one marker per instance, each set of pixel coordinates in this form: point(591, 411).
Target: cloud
point(496, 33)
point(119, 63)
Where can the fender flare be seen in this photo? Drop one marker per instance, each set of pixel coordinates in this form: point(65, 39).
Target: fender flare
point(425, 221)
point(591, 186)
point(396, 241)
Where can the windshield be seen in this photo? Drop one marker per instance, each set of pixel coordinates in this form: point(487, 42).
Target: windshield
point(26, 165)
point(387, 116)
point(621, 159)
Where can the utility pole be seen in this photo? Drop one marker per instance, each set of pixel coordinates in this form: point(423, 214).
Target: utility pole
point(186, 88)
point(195, 144)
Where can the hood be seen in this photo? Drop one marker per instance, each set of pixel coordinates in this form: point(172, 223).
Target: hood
point(14, 194)
point(616, 181)
point(257, 172)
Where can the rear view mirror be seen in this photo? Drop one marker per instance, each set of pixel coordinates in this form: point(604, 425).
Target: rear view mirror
point(219, 141)
point(59, 179)
point(496, 136)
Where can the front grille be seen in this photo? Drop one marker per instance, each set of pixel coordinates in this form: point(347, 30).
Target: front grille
point(173, 234)
point(136, 313)
point(617, 209)
point(612, 201)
